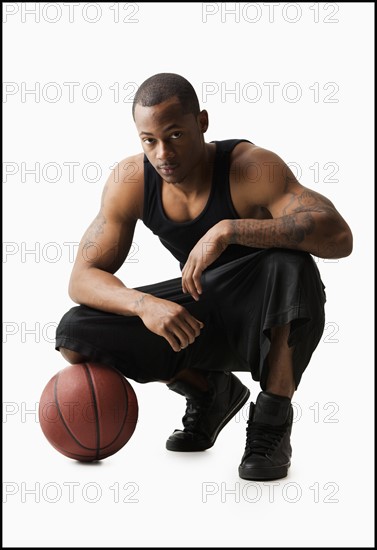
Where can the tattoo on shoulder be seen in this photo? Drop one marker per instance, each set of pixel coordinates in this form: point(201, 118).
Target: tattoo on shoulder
point(310, 201)
point(290, 204)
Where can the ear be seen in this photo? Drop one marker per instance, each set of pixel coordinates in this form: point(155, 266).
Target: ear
point(203, 121)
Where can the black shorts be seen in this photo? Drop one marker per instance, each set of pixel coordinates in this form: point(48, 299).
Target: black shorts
point(241, 301)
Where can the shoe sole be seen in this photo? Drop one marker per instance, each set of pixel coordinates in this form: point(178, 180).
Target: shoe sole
point(174, 446)
point(264, 474)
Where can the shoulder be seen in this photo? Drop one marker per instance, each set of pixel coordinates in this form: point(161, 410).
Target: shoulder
point(131, 169)
point(247, 153)
point(124, 189)
point(260, 175)
point(256, 164)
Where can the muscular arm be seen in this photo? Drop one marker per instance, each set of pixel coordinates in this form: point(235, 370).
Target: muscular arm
point(299, 219)
point(104, 248)
point(302, 219)
point(106, 243)
point(317, 229)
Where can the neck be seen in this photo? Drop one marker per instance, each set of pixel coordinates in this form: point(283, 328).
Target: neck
point(200, 174)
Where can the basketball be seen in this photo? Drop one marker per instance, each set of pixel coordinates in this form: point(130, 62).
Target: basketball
point(88, 411)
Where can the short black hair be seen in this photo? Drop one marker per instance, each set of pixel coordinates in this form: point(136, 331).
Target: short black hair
point(163, 86)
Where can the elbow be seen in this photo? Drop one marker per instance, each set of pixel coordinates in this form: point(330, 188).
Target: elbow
point(342, 247)
point(71, 293)
point(72, 290)
point(336, 240)
point(336, 247)
point(346, 245)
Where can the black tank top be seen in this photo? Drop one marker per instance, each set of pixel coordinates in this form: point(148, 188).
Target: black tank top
point(181, 237)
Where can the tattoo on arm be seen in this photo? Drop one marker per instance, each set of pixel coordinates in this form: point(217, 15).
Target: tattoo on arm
point(139, 303)
point(288, 231)
point(97, 227)
point(95, 230)
point(294, 229)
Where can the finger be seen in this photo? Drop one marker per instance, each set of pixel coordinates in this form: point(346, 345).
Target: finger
point(183, 335)
point(180, 337)
point(190, 285)
point(191, 327)
point(194, 324)
point(184, 286)
point(197, 276)
point(193, 291)
point(187, 284)
point(170, 338)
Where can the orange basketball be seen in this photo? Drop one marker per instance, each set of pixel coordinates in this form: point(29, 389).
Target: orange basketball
point(88, 411)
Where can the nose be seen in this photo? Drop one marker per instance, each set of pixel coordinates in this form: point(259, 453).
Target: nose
point(164, 151)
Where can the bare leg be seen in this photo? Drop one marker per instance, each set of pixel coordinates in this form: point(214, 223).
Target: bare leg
point(193, 377)
point(280, 380)
point(72, 357)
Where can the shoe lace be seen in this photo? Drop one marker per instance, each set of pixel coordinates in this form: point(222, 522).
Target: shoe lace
point(262, 439)
point(194, 411)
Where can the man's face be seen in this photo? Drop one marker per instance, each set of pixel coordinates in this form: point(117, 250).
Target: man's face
point(172, 141)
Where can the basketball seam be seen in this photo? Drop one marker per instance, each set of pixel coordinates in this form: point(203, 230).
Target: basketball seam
point(91, 385)
point(62, 418)
point(125, 413)
point(128, 392)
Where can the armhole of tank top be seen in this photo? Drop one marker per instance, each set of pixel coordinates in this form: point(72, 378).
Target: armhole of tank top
point(146, 199)
point(227, 183)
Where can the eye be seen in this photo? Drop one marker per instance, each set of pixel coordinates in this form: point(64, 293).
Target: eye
point(148, 141)
point(176, 135)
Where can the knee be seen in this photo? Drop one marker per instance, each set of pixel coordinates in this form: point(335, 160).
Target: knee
point(281, 261)
point(72, 357)
point(287, 256)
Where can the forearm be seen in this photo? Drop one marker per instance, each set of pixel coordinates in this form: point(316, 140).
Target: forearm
point(98, 289)
point(312, 232)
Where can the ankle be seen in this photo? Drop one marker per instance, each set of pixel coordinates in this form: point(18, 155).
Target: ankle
point(271, 408)
point(281, 390)
point(193, 378)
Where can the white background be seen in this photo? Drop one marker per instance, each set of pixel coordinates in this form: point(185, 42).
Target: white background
point(180, 500)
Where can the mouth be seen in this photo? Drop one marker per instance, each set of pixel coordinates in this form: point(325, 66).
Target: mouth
point(168, 169)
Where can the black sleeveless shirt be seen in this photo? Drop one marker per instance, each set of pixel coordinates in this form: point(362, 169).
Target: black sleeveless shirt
point(181, 237)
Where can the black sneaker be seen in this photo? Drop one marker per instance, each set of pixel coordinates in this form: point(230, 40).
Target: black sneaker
point(207, 412)
point(268, 449)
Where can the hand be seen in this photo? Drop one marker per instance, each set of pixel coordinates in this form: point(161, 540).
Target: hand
point(204, 253)
point(170, 320)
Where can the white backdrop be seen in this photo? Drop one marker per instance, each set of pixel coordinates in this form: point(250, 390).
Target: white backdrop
point(295, 78)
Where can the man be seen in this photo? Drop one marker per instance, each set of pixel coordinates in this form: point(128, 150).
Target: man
point(250, 297)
